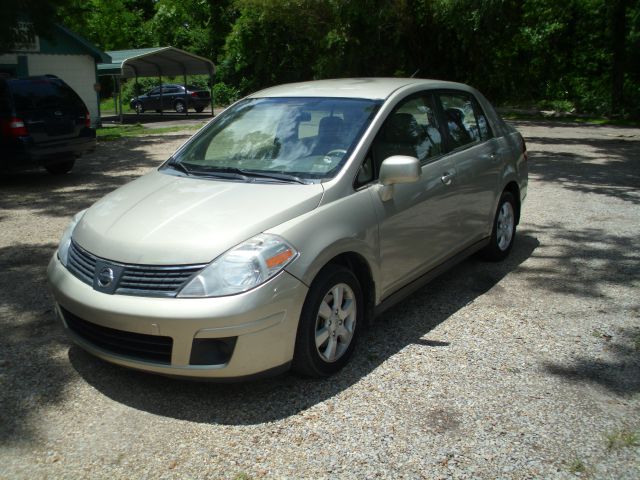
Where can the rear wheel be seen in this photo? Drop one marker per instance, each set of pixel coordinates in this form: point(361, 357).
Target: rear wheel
point(504, 229)
point(60, 168)
point(199, 109)
point(329, 323)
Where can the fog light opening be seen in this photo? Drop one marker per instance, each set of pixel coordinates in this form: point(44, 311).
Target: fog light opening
point(212, 351)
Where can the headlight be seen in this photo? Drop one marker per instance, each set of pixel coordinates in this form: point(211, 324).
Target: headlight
point(242, 268)
point(65, 241)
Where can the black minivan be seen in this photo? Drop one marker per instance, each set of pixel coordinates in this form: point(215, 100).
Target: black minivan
point(42, 121)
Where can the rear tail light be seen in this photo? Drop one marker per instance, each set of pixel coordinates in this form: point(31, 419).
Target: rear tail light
point(194, 94)
point(15, 127)
point(87, 119)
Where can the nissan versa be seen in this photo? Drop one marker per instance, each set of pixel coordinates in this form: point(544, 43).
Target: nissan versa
point(272, 237)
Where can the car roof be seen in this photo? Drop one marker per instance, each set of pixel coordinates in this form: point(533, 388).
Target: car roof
point(370, 88)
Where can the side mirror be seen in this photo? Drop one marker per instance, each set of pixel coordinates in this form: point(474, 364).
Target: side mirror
point(397, 169)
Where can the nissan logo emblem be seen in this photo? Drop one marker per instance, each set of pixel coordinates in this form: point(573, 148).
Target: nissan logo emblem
point(105, 277)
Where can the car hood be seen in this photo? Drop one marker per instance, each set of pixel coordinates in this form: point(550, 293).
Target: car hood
point(162, 219)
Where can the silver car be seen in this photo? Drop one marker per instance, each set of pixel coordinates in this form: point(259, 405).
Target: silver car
point(272, 237)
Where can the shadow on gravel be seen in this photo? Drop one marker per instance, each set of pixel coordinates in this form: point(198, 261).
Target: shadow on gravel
point(284, 396)
point(620, 375)
point(110, 166)
point(33, 370)
point(33, 373)
point(612, 167)
point(582, 262)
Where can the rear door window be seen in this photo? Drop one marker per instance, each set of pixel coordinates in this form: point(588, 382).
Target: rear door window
point(466, 122)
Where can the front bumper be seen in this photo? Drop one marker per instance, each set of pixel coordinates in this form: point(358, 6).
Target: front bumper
point(261, 324)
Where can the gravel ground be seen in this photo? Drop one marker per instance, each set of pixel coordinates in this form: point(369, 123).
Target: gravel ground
point(525, 369)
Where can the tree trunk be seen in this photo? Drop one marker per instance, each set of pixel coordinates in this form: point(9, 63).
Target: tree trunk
point(618, 37)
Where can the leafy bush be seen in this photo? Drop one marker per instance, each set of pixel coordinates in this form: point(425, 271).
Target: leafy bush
point(224, 94)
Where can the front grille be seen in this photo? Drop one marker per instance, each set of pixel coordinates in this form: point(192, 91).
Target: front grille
point(143, 280)
point(81, 263)
point(136, 346)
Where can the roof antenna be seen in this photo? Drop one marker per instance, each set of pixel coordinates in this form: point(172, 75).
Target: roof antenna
point(415, 73)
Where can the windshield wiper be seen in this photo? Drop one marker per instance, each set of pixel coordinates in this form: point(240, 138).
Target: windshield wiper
point(222, 172)
point(285, 177)
point(173, 163)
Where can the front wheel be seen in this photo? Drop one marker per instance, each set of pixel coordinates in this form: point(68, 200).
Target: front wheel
point(504, 229)
point(180, 106)
point(329, 323)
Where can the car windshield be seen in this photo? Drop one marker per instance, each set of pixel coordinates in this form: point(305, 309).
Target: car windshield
point(309, 138)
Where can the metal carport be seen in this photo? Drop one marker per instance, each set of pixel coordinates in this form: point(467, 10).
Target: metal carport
point(152, 62)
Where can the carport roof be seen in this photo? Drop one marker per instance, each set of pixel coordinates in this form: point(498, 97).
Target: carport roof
point(152, 62)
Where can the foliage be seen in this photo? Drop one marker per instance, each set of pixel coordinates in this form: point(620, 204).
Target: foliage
point(111, 24)
point(579, 53)
point(224, 94)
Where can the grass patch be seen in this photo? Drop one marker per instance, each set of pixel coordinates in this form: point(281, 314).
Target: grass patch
point(623, 439)
point(114, 133)
point(577, 466)
point(107, 106)
point(243, 476)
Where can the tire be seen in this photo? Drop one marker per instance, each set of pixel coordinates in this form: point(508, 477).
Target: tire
point(504, 229)
point(138, 107)
point(179, 106)
point(60, 168)
point(327, 332)
point(158, 110)
point(199, 109)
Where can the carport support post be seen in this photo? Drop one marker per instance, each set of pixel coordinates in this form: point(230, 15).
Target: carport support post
point(186, 100)
point(120, 101)
point(137, 95)
point(161, 99)
point(211, 88)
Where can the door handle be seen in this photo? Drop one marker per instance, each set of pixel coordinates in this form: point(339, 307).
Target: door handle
point(447, 178)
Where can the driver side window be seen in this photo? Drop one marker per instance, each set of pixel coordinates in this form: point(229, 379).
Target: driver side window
point(411, 129)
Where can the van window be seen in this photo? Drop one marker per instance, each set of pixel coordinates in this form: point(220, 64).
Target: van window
point(43, 94)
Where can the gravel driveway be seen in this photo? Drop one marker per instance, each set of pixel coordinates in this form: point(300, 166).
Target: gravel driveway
point(525, 369)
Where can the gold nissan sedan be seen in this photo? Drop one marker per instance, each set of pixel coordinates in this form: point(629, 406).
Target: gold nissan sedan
point(272, 237)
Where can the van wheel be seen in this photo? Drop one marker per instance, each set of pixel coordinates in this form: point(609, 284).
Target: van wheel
point(504, 229)
point(60, 167)
point(329, 323)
